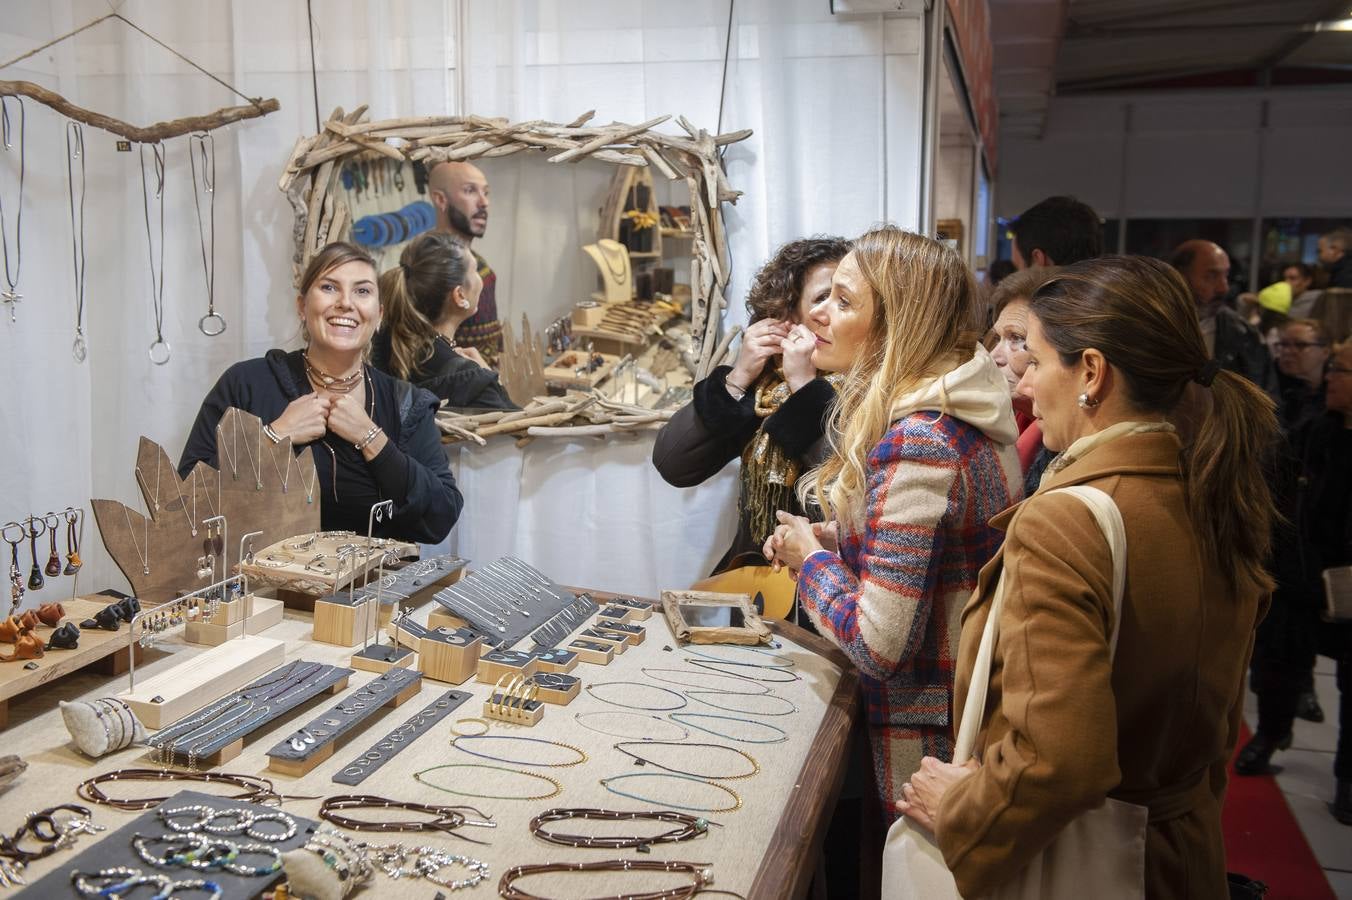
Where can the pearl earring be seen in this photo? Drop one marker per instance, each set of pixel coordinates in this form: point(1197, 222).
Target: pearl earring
point(1086, 402)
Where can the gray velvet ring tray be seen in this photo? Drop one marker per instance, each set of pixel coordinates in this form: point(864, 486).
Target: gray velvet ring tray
point(115, 849)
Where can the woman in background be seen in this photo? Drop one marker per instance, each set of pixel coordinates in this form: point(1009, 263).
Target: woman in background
point(434, 288)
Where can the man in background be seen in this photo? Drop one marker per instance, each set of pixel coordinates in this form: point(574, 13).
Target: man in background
point(1333, 253)
point(1233, 342)
point(459, 191)
point(1056, 232)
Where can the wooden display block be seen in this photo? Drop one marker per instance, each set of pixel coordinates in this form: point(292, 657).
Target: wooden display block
point(441, 618)
point(212, 634)
point(558, 690)
point(230, 612)
point(633, 635)
point(615, 613)
point(527, 715)
point(497, 663)
point(594, 652)
point(555, 659)
point(380, 658)
point(639, 610)
point(588, 316)
point(299, 767)
point(343, 625)
point(564, 369)
point(205, 678)
point(235, 748)
point(619, 642)
point(454, 663)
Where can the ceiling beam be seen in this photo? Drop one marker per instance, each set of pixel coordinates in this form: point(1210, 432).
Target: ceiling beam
point(1176, 10)
point(1086, 85)
point(1331, 10)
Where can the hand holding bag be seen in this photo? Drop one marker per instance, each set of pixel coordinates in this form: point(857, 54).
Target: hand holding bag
point(1103, 848)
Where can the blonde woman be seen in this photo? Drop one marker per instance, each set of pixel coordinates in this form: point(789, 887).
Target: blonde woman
point(923, 440)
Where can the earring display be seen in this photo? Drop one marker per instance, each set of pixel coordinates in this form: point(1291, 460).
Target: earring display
point(321, 562)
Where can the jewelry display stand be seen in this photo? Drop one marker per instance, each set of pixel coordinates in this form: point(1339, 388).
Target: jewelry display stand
point(115, 849)
point(249, 614)
point(496, 664)
point(444, 654)
point(556, 689)
point(564, 622)
point(217, 749)
point(617, 643)
point(617, 275)
point(388, 747)
point(203, 680)
point(310, 563)
point(261, 487)
point(513, 700)
point(555, 659)
point(505, 601)
point(594, 652)
point(305, 749)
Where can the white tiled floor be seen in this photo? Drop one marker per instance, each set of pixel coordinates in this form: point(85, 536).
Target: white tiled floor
point(1306, 778)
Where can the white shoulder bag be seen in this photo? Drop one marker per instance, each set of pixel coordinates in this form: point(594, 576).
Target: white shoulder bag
point(1102, 852)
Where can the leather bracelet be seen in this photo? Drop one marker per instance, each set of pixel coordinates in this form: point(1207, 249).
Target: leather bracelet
point(271, 434)
point(370, 436)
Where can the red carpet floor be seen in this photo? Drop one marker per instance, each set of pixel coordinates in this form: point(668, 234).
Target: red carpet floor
point(1263, 840)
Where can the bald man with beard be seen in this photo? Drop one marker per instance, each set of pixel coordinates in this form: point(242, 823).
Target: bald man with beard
point(459, 191)
point(1233, 342)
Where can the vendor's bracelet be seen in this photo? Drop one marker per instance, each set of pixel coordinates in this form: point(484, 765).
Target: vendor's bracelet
point(370, 436)
point(737, 393)
point(272, 434)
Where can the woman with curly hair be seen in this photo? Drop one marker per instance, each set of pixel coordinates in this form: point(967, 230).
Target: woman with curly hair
point(768, 408)
point(923, 458)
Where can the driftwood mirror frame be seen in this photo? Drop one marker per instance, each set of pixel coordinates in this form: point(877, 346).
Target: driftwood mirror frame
point(310, 180)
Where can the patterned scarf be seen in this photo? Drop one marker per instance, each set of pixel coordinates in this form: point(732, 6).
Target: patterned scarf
point(768, 473)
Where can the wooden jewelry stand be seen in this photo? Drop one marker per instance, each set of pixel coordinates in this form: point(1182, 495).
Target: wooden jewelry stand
point(260, 487)
point(617, 274)
point(513, 700)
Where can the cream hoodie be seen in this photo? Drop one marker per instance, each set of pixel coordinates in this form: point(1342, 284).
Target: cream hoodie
point(974, 392)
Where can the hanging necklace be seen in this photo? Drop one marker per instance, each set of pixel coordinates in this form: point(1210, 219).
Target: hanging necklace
point(231, 452)
point(155, 500)
point(558, 788)
point(641, 760)
point(310, 482)
point(256, 462)
point(608, 784)
point(212, 323)
point(750, 712)
point(457, 743)
point(11, 295)
point(591, 689)
point(159, 348)
point(333, 383)
point(684, 718)
point(607, 712)
point(144, 557)
point(74, 151)
point(272, 454)
point(617, 273)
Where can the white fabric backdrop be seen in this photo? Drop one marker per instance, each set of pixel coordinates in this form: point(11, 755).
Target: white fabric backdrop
point(835, 104)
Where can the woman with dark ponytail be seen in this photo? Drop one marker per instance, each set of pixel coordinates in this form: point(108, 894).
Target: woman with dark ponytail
point(434, 288)
point(1145, 712)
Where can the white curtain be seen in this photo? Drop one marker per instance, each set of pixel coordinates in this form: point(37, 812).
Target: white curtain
point(834, 104)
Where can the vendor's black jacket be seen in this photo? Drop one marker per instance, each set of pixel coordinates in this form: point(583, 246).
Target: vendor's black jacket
point(411, 469)
point(461, 382)
point(713, 430)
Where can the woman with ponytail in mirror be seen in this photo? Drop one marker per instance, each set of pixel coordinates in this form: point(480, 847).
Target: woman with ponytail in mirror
point(434, 288)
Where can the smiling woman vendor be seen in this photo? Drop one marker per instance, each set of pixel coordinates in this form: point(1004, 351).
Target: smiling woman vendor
point(373, 436)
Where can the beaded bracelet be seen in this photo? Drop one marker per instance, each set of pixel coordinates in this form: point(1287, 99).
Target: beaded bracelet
point(445, 818)
point(691, 827)
point(701, 876)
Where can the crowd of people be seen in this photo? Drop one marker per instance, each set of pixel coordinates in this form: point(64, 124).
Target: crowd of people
point(923, 474)
point(909, 441)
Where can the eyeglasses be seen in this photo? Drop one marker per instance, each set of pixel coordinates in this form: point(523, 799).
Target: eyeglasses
point(1299, 345)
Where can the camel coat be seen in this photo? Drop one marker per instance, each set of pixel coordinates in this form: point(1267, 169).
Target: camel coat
point(1064, 727)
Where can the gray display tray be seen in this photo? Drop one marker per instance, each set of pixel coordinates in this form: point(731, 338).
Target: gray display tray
point(375, 695)
point(402, 583)
point(430, 715)
point(544, 600)
point(115, 850)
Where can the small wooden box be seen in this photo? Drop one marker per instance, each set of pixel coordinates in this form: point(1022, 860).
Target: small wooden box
point(615, 613)
point(205, 678)
point(497, 663)
point(452, 657)
point(266, 613)
point(594, 652)
point(555, 659)
point(343, 625)
point(443, 618)
point(619, 642)
point(230, 612)
point(641, 611)
point(588, 316)
point(381, 658)
point(556, 689)
point(633, 634)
